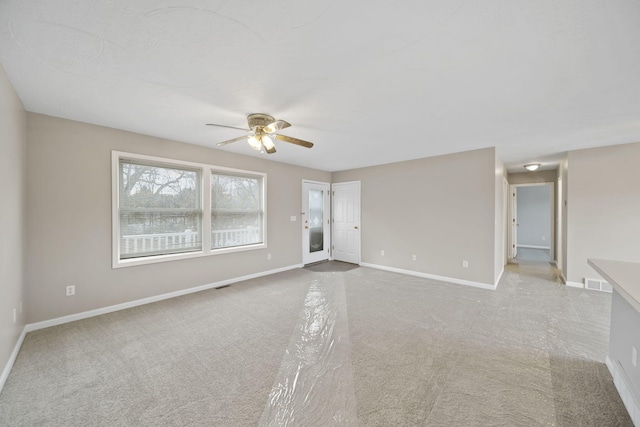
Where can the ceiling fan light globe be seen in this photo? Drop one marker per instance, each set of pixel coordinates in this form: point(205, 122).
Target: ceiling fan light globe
point(255, 143)
point(268, 142)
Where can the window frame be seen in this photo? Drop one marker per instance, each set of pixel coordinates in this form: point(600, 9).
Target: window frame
point(261, 210)
point(205, 171)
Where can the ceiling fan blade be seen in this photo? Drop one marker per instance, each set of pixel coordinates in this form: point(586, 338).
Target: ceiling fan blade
point(229, 141)
point(294, 141)
point(276, 126)
point(225, 126)
point(270, 150)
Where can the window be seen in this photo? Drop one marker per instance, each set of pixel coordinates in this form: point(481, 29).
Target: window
point(236, 210)
point(158, 209)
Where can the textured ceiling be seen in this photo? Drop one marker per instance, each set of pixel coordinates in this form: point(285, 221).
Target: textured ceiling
point(368, 82)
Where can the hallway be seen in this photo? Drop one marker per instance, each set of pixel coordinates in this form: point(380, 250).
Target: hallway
point(533, 255)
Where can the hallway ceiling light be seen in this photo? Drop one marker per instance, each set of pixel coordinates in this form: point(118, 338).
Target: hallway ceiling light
point(532, 166)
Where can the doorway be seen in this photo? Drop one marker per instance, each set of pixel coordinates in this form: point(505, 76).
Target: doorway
point(532, 223)
point(316, 231)
point(346, 221)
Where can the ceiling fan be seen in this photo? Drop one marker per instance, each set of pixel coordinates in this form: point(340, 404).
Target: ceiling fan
point(262, 131)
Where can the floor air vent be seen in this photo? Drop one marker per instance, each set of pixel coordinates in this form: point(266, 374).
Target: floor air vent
point(597, 285)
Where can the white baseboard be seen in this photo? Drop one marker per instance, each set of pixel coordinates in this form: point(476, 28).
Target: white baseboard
point(533, 247)
point(431, 276)
point(499, 277)
point(12, 359)
point(110, 309)
point(621, 381)
point(574, 284)
point(564, 279)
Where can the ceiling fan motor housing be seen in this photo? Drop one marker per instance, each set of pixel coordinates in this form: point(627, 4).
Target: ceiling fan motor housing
point(258, 121)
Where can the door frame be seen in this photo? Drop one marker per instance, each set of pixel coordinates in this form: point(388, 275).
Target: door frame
point(513, 233)
point(552, 235)
point(358, 220)
point(326, 250)
point(505, 215)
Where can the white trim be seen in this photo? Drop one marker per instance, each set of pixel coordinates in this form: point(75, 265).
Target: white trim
point(431, 276)
point(574, 284)
point(187, 255)
point(205, 201)
point(499, 277)
point(512, 232)
point(564, 279)
point(533, 247)
point(310, 181)
point(622, 383)
point(552, 231)
point(12, 359)
point(308, 257)
point(333, 224)
point(110, 309)
point(206, 170)
point(505, 212)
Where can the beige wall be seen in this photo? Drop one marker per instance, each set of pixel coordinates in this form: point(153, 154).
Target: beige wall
point(12, 193)
point(69, 219)
point(534, 177)
point(603, 207)
point(442, 209)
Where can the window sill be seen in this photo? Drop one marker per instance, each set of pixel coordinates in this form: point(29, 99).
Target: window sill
point(132, 262)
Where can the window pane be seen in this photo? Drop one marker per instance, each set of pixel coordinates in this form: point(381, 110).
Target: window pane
point(316, 221)
point(236, 210)
point(159, 210)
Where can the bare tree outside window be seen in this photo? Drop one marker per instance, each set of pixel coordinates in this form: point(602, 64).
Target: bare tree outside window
point(160, 210)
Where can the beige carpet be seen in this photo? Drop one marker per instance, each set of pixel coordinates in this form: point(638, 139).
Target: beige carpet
point(420, 352)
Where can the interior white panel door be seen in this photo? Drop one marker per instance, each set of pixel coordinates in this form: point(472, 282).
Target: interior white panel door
point(346, 221)
point(513, 244)
point(316, 216)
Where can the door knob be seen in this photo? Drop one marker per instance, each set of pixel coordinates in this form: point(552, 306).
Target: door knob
point(306, 226)
point(356, 227)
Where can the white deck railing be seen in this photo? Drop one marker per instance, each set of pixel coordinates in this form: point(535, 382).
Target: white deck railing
point(237, 237)
point(144, 243)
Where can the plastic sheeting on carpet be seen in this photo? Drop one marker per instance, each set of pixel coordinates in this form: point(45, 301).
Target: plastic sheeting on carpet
point(314, 385)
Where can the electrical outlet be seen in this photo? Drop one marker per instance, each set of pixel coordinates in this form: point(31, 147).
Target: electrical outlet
point(414, 257)
point(268, 256)
point(14, 315)
point(71, 290)
point(382, 252)
point(465, 264)
point(634, 356)
point(544, 238)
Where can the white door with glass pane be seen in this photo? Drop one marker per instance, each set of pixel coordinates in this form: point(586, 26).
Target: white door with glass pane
point(316, 238)
point(346, 222)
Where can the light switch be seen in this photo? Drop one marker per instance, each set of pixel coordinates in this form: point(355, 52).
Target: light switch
point(293, 218)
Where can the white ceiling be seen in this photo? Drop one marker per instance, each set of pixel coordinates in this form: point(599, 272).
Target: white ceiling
point(368, 82)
